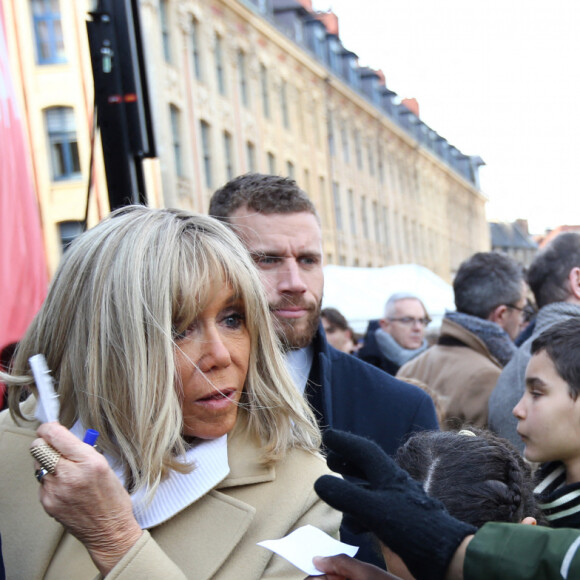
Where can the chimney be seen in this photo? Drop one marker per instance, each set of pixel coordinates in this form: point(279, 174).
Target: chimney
point(330, 21)
point(523, 226)
point(412, 105)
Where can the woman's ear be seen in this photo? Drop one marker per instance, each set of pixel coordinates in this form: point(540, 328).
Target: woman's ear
point(530, 521)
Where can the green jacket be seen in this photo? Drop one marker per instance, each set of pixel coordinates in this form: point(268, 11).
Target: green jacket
point(517, 552)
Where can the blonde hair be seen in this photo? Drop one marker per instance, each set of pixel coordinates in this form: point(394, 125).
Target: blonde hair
point(122, 294)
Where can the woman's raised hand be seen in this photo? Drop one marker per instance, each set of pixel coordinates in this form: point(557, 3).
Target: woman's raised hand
point(87, 498)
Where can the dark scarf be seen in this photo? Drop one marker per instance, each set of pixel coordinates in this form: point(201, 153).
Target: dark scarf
point(497, 340)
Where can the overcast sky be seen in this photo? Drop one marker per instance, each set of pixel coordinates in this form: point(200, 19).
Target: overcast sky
point(496, 78)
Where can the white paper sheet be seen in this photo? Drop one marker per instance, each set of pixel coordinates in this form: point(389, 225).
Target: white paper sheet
point(303, 544)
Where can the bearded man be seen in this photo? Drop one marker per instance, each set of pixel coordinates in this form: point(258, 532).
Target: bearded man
point(280, 227)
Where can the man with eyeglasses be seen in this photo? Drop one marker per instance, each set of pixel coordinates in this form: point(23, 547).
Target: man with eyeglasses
point(399, 336)
point(476, 341)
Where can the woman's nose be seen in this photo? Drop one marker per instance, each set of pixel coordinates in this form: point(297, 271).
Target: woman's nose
point(214, 352)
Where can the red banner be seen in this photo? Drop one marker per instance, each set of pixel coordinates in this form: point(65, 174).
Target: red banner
point(23, 270)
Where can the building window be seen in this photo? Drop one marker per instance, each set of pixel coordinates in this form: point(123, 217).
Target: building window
point(331, 144)
point(271, 164)
point(364, 218)
point(337, 208)
point(344, 139)
point(384, 237)
point(68, 232)
point(195, 49)
point(381, 165)
point(318, 40)
point(334, 49)
point(377, 222)
point(261, 5)
point(322, 193)
point(398, 177)
point(62, 139)
point(228, 156)
point(165, 31)
point(219, 64)
point(290, 169)
point(407, 237)
point(206, 151)
point(306, 181)
point(371, 159)
point(315, 123)
point(264, 85)
point(176, 136)
point(351, 212)
point(48, 31)
point(358, 149)
point(300, 113)
point(243, 79)
point(251, 156)
point(284, 104)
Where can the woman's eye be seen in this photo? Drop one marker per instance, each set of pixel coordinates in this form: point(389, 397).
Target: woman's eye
point(234, 320)
point(187, 332)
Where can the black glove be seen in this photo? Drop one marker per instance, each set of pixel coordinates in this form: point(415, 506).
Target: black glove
point(391, 504)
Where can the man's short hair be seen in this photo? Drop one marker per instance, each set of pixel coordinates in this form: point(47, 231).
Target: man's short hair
point(486, 280)
point(562, 344)
point(394, 298)
point(548, 273)
point(266, 194)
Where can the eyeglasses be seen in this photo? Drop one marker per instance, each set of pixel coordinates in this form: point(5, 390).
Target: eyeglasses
point(526, 312)
point(410, 321)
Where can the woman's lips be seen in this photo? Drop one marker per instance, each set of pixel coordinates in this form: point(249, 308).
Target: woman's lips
point(218, 399)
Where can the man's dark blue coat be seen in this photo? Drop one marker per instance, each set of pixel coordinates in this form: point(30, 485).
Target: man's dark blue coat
point(351, 395)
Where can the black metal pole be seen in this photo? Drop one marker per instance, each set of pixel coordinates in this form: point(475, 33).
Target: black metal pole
point(121, 98)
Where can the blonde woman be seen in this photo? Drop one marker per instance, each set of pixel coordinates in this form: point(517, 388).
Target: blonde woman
point(158, 336)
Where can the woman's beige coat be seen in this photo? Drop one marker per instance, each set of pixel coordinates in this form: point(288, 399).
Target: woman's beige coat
point(213, 538)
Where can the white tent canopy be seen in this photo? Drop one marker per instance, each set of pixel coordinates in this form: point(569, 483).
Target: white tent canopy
point(360, 293)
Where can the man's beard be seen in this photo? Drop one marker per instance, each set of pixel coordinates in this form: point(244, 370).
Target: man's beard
point(296, 333)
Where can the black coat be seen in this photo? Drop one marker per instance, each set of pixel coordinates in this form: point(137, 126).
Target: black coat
point(371, 353)
point(351, 395)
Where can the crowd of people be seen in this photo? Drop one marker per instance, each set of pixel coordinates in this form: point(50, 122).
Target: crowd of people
point(197, 348)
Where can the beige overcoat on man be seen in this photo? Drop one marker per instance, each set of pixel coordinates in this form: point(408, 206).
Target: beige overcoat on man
point(213, 538)
point(462, 377)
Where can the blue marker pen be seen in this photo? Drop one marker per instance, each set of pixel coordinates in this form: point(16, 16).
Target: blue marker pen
point(91, 437)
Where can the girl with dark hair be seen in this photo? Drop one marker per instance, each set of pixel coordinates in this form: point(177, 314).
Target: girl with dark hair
point(478, 477)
